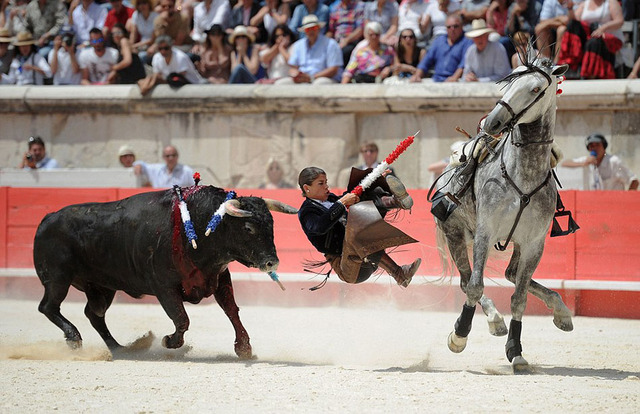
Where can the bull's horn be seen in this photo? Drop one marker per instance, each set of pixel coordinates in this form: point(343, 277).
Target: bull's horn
point(279, 206)
point(233, 209)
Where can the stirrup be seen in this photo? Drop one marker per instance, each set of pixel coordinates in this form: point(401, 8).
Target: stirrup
point(556, 229)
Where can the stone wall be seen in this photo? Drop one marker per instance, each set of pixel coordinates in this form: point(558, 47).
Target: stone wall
point(229, 132)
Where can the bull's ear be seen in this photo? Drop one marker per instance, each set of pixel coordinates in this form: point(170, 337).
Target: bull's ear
point(559, 69)
point(232, 207)
point(279, 206)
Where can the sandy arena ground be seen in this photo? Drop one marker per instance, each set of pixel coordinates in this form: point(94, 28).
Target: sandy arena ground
point(314, 360)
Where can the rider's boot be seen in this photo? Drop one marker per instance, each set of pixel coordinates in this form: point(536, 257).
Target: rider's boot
point(402, 274)
point(402, 199)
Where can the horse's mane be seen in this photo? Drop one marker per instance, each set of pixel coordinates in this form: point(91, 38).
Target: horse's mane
point(529, 60)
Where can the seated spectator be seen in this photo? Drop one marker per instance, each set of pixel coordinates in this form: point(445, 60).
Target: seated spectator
point(6, 52)
point(592, 39)
point(275, 176)
point(446, 54)
point(63, 58)
point(384, 12)
point(484, 61)
point(346, 23)
point(471, 10)
point(314, 59)
point(371, 63)
point(84, 15)
point(411, 16)
point(272, 14)
point(497, 15)
point(601, 170)
point(15, 14)
point(408, 57)
point(173, 24)
point(44, 19)
point(36, 156)
point(241, 15)
point(119, 13)
point(215, 61)
point(140, 27)
point(168, 174)
point(307, 7)
point(245, 60)
point(97, 61)
point(206, 14)
point(169, 63)
point(552, 24)
point(274, 58)
point(523, 46)
point(129, 69)
point(27, 67)
point(523, 17)
point(436, 15)
point(369, 152)
point(126, 156)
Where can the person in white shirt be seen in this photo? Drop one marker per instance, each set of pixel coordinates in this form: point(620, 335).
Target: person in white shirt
point(411, 16)
point(96, 61)
point(140, 26)
point(84, 16)
point(27, 67)
point(168, 174)
point(169, 61)
point(602, 171)
point(63, 59)
point(206, 14)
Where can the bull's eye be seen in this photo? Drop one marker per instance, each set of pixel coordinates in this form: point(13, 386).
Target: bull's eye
point(536, 89)
point(249, 228)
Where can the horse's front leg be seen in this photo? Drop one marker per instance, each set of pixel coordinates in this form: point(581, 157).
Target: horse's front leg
point(458, 338)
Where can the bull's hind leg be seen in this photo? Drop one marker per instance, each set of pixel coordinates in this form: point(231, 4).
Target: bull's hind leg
point(54, 294)
point(562, 316)
point(224, 297)
point(98, 301)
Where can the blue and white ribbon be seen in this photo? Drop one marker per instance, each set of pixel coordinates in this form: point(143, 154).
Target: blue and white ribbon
point(274, 276)
point(219, 214)
point(186, 218)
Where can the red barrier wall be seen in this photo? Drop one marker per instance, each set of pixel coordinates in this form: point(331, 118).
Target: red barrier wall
point(604, 249)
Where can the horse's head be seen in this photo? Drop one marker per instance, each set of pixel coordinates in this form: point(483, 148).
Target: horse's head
point(530, 93)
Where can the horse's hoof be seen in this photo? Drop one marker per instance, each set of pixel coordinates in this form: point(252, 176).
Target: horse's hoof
point(74, 344)
point(563, 322)
point(456, 343)
point(520, 365)
point(497, 327)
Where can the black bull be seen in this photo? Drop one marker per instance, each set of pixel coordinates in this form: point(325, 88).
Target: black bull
point(138, 245)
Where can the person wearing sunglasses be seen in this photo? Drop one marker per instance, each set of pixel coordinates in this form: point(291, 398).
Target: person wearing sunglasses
point(408, 57)
point(97, 61)
point(167, 174)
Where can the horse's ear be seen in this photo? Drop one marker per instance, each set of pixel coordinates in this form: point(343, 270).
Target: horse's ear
point(559, 70)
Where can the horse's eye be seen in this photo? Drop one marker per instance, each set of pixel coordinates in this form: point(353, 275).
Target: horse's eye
point(536, 89)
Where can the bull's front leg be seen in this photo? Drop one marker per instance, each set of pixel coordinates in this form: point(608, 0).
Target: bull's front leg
point(224, 296)
point(172, 303)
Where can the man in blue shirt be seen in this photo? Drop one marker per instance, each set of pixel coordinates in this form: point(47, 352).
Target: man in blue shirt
point(315, 59)
point(306, 8)
point(446, 54)
point(36, 157)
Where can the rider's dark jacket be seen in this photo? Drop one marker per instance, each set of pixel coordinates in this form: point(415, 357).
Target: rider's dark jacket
point(322, 225)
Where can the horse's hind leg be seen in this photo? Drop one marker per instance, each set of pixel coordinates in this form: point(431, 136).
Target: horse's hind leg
point(54, 294)
point(98, 301)
point(561, 313)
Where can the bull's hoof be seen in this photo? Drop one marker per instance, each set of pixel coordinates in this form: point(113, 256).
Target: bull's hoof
point(520, 365)
point(563, 321)
point(456, 343)
point(497, 327)
point(243, 351)
point(74, 343)
point(172, 342)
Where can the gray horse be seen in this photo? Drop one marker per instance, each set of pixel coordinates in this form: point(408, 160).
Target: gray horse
point(509, 197)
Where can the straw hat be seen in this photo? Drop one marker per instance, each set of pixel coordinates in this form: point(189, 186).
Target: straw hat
point(5, 35)
point(310, 20)
point(125, 150)
point(24, 39)
point(241, 31)
point(478, 28)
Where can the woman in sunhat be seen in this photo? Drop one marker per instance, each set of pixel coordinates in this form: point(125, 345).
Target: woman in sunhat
point(6, 54)
point(245, 64)
point(28, 67)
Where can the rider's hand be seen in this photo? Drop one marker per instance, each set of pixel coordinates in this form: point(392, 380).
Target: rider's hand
point(349, 199)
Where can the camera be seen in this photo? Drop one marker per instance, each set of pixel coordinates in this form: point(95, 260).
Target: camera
point(68, 39)
point(29, 157)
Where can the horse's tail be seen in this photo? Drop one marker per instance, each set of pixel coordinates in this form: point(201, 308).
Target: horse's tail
point(443, 253)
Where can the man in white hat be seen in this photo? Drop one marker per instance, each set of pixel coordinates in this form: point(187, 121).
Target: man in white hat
point(484, 61)
point(315, 59)
point(306, 8)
